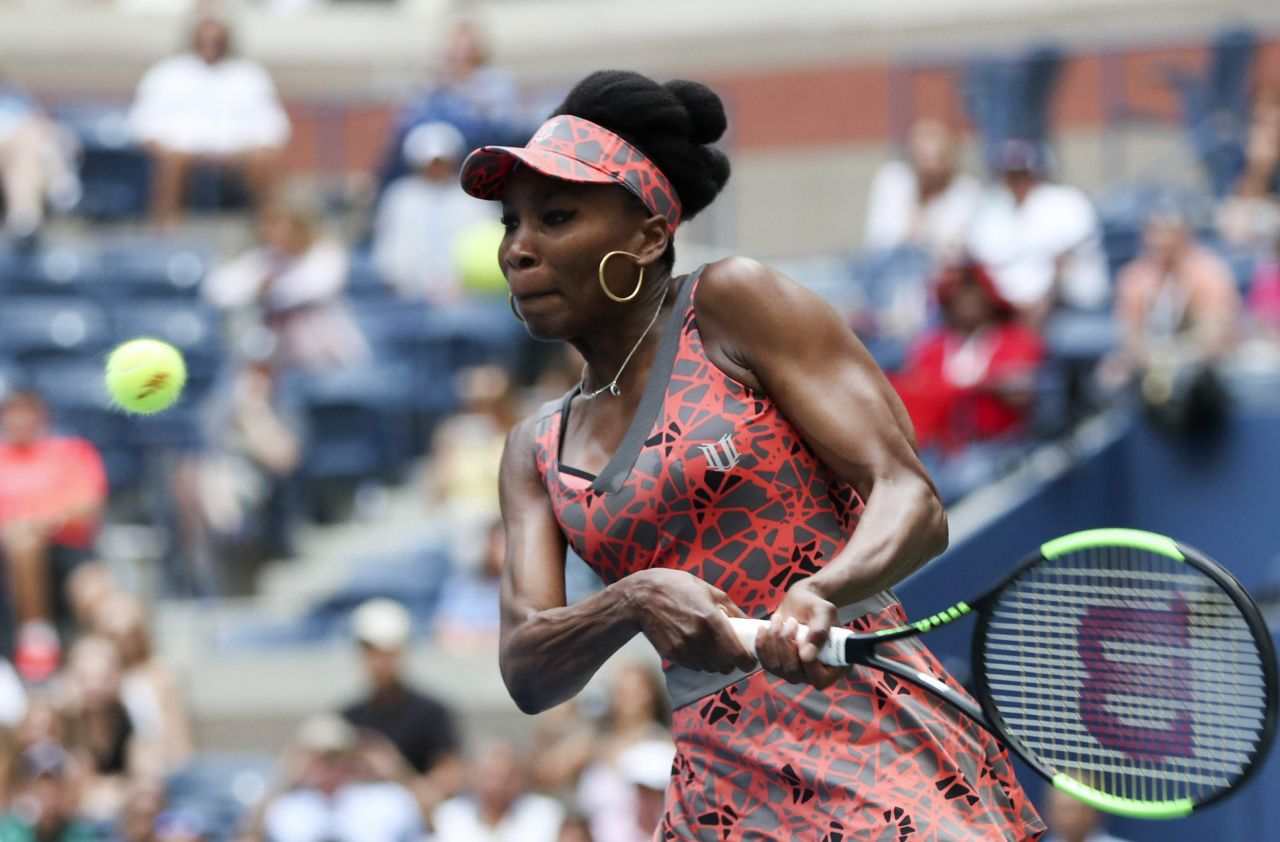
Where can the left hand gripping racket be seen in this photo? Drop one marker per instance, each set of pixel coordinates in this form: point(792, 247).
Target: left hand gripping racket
point(1131, 671)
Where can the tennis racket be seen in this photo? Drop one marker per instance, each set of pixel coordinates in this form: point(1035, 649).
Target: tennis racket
point(1129, 670)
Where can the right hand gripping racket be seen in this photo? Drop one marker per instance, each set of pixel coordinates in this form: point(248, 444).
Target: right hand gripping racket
point(1133, 672)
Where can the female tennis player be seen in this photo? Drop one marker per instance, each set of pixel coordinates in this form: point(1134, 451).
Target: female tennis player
point(731, 450)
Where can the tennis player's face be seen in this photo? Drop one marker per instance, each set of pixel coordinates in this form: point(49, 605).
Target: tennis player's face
point(556, 234)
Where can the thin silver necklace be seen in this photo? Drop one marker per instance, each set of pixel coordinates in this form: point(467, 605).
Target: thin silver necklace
point(612, 386)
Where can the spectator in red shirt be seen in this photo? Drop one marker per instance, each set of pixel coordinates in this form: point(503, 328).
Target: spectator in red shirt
point(52, 492)
point(971, 380)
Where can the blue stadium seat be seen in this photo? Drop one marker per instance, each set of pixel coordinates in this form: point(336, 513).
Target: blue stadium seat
point(220, 787)
point(153, 268)
point(55, 271)
point(77, 397)
point(114, 171)
point(1077, 336)
point(191, 327)
point(363, 281)
point(35, 328)
point(11, 377)
point(358, 421)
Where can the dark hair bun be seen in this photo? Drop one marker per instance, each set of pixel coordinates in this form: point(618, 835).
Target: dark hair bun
point(707, 120)
point(672, 124)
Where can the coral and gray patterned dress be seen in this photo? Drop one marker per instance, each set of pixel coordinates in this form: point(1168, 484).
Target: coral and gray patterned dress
point(712, 479)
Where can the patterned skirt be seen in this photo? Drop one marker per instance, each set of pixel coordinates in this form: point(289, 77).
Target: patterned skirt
point(869, 758)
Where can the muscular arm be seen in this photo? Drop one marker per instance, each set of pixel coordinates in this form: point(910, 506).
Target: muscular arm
point(547, 650)
point(781, 338)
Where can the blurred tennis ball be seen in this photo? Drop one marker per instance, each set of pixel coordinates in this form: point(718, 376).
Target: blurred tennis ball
point(145, 376)
point(475, 258)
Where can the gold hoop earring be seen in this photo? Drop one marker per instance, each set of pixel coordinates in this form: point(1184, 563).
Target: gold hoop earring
point(511, 302)
point(639, 282)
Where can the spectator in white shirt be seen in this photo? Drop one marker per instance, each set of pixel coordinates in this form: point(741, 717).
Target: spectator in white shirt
point(499, 809)
point(422, 215)
point(330, 802)
point(292, 284)
point(1040, 241)
point(922, 201)
point(207, 105)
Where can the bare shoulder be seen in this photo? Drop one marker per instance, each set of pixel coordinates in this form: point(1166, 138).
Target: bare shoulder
point(737, 283)
point(743, 303)
point(517, 453)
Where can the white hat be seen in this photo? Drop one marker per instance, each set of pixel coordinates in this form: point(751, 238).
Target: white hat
point(327, 732)
point(431, 141)
point(648, 763)
point(382, 623)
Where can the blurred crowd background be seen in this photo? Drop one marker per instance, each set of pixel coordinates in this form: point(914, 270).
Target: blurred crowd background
point(271, 612)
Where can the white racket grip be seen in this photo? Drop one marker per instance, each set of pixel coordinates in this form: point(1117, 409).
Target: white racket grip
point(831, 653)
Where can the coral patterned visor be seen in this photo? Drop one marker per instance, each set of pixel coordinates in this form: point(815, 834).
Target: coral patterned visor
point(574, 149)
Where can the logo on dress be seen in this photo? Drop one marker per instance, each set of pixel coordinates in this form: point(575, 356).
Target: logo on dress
point(721, 456)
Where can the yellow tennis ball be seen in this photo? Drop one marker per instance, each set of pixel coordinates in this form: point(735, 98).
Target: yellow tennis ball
point(475, 257)
point(145, 376)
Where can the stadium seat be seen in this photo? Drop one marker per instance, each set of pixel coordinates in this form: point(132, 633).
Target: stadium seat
point(35, 328)
point(220, 787)
point(363, 280)
point(114, 171)
point(55, 271)
point(152, 268)
point(77, 397)
point(357, 421)
point(189, 326)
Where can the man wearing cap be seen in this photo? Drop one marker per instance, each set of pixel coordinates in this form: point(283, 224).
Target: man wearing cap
point(330, 803)
point(422, 215)
point(1040, 241)
point(44, 801)
point(419, 726)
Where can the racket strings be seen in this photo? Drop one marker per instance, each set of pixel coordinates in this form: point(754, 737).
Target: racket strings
point(1135, 673)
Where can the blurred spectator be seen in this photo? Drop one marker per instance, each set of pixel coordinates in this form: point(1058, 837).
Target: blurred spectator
point(421, 216)
point(1264, 292)
point(644, 770)
point(1249, 216)
point(971, 378)
point(207, 106)
point(419, 726)
point(42, 722)
point(1040, 241)
point(969, 384)
point(466, 450)
point(43, 807)
point(239, 494)
point(13, 697)
point(90, 586)
point(1177, 298)
point(498, 806)
point(102, 730)
point(575, 828)
point(329, 801)
point(1071, 820)
point(35, 166)
point(52, 492)
point(469, 616)
point(637, 711)
point(148, 687)
point(143, 804)
point(923, 201)
point(292, 284)
point(481, 100)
